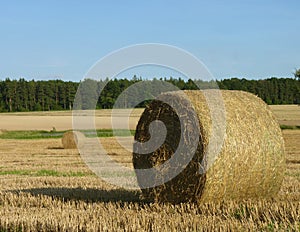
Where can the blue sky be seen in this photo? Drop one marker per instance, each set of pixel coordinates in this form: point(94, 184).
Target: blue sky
point(63, 39)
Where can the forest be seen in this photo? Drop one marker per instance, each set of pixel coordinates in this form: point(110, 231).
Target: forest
point(23, 95)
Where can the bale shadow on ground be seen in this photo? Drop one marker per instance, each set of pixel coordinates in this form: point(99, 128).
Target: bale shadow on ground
point(55, 148)
point(86, 194)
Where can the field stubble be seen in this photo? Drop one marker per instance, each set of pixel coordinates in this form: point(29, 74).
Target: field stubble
point(36, 202)
point(46, 188)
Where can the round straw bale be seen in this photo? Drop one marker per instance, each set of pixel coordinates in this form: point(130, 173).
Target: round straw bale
point(71, 139)
point(249, 164)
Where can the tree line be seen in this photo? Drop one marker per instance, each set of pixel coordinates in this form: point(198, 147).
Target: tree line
point(22, 95)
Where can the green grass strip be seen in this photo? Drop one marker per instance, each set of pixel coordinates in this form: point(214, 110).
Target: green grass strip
point(40, 134)
point(43, 172)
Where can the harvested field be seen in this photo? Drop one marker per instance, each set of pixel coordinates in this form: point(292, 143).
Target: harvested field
point(45, 187)
point(62, 120)
point(287, 114)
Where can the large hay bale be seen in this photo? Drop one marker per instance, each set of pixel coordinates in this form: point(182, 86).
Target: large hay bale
point(251, 161)
point(71, 139)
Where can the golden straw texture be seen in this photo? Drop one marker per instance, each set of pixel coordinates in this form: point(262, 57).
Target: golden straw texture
point(70, 139)
point(251, 161)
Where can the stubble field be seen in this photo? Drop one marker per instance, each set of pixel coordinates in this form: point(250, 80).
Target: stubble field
point(45, 187)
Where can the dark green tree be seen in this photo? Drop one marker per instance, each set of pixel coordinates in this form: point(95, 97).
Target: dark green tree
point(87, 95)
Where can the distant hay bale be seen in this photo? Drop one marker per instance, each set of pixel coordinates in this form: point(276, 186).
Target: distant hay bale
point(251, 162)
point(71, 139)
